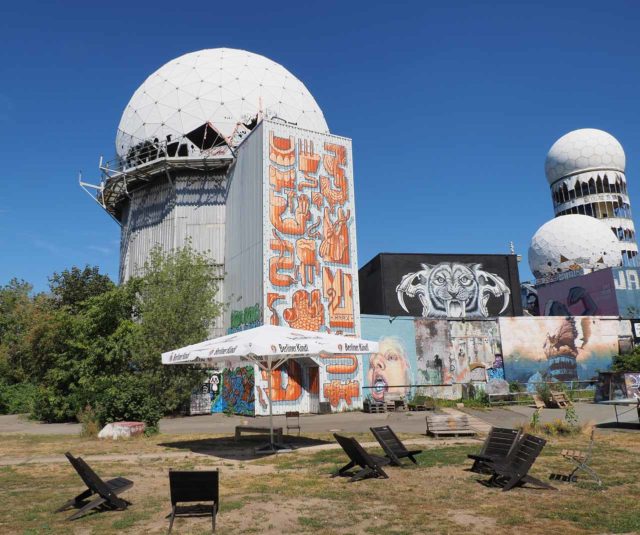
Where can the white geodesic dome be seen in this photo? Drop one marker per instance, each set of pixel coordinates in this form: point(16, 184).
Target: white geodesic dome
point(221, 86)
point(581, 150)
point(572, 242)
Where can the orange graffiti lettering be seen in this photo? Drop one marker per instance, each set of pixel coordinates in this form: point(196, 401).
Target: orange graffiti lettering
point(271, 300)
point(306, 253)
point(338, 289)
point(282, 179)
point(306, 312)
point(335, 245)
point(293, 389)
point(281, 150)
point(291, 225)
point(336, 390)
point(341, 368)
point(285, 261)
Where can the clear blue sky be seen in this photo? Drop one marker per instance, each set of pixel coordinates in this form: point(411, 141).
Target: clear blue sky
point(452, 107)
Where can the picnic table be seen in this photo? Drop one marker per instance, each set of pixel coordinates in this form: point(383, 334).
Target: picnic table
point(240, 429)
point(633, 402)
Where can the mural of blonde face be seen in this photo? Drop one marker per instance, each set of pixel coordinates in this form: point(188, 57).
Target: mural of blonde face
point(389, 369)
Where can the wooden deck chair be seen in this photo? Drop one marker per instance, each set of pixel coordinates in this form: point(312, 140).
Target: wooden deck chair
point(393, 446)
point(292, 418)
point(496, 447)
point(106, 491)
point(370, 465)
point(513, 470)
point(192, 487)
point(581, 460)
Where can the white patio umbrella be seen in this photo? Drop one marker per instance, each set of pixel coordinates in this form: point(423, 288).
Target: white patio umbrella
point(269, 347)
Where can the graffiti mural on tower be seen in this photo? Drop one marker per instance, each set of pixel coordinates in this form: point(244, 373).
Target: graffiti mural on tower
point(310, 254)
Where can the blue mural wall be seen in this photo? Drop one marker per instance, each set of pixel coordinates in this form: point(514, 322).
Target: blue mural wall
point(627, 285)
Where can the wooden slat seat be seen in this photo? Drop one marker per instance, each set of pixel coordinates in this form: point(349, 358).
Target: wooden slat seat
point(240, 429)
point(393, 446)
point(496, 447)
point(194, 487)
point(106, 491)
point(370, 465)
point(448, 425)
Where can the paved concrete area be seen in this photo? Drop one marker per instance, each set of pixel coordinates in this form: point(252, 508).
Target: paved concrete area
point(353, 422)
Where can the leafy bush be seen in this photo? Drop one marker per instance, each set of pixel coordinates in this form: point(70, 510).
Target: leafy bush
point(627, 363)
point(515, 386)
point(17, 398)
point(127, 398)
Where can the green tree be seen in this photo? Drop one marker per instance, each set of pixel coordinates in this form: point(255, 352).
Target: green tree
point(74, 286)
point(177, 306)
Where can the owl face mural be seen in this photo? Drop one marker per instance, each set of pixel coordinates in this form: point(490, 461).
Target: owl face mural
point(453, 290)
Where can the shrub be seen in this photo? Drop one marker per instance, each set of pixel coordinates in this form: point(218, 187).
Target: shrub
point(17, 398)
point(90, 423)
point(127, 398)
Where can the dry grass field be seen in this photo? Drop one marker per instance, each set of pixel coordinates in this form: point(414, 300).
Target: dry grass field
point(294, 493)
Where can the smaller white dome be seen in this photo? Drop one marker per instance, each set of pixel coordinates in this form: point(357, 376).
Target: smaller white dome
point(583, 149)
point(572, 242)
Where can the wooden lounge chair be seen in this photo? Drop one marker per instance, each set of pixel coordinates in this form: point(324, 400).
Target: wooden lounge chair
point(106, 491)
point(513, 470)
point(370, 465)
point(446, 425)
point(292, 419)
point(495, 448)
point(191, 487)
point(560, 399)
point(581, 460)
point(393, 446)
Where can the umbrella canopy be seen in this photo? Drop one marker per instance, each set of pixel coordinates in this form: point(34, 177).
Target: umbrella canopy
point(269, 347)
point(268, 341)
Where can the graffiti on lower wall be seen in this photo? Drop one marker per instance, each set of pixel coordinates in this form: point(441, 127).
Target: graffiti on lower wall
point(557, 349)
point(414, 353)
point(235, 392)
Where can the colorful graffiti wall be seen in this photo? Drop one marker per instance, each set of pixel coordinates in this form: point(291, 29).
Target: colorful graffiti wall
point(309, 240)
point(627, 287)
point(588, 295)
point(557, 349)
point(234, 391)
point(419, 353)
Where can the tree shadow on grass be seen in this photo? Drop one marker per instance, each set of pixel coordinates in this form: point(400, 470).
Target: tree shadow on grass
point(243, 449)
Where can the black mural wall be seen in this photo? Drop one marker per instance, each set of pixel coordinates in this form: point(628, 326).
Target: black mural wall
point(441, 285)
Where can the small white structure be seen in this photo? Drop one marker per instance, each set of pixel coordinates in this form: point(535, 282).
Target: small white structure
point(569, 243)
point(586, 172)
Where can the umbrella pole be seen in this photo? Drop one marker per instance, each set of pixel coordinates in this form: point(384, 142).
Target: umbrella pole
point(269, 372)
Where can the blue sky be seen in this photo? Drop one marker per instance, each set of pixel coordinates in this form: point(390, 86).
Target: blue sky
point(452, 107)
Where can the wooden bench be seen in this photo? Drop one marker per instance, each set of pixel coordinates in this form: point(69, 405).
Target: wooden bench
point(446, 425)
point(277, 431)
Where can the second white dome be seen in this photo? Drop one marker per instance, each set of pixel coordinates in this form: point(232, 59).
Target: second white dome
point(571, 242)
